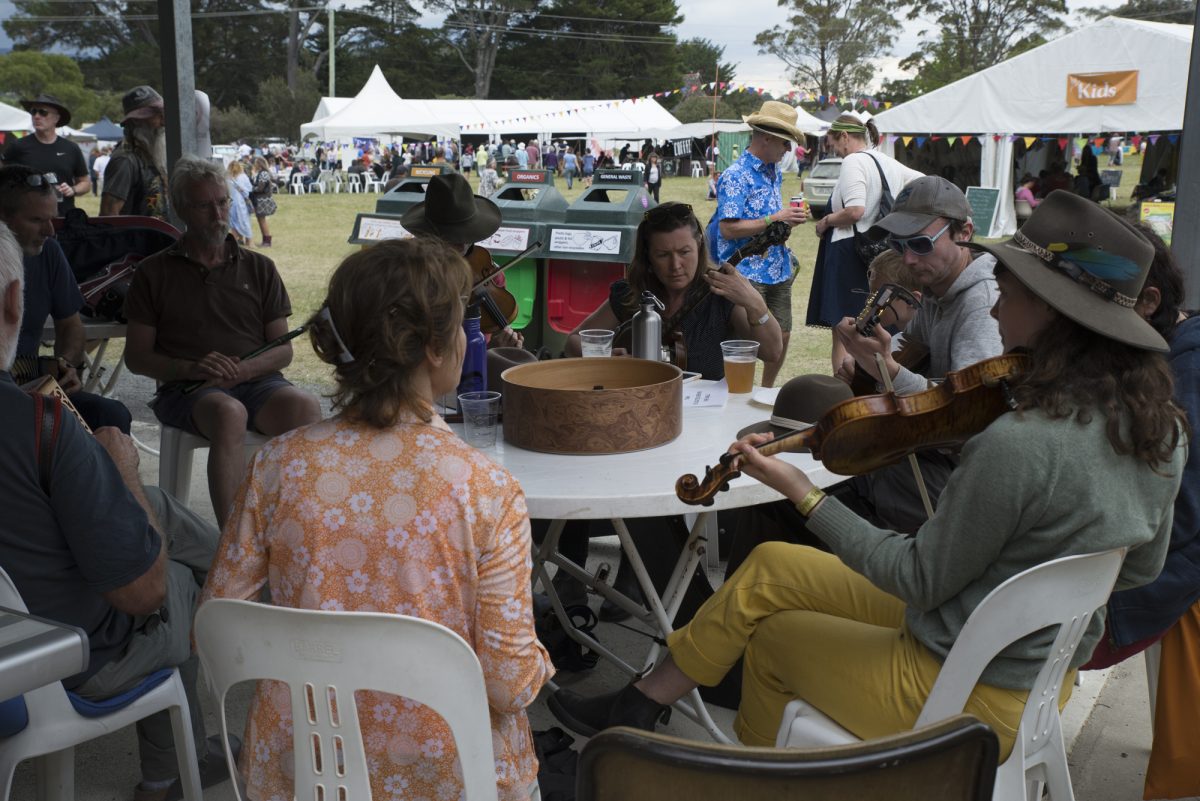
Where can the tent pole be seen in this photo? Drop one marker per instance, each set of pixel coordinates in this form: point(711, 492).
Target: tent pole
point(1185, 239)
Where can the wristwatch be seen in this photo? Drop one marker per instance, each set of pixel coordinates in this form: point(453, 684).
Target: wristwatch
point(762, 320)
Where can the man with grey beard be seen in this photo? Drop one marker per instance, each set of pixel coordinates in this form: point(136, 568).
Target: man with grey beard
point(135, 179)
point(196, 310)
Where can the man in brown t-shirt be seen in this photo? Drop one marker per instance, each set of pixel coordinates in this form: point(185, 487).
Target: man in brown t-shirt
point(194, 311)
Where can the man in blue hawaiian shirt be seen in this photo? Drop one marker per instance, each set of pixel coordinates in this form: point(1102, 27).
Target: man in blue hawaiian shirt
point(748, 201)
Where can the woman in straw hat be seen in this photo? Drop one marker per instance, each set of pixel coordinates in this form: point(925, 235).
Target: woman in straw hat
point(383, 508)
point(1090, 460)
point(840, 277)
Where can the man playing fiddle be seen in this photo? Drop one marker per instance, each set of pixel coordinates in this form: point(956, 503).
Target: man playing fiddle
point(460, 218)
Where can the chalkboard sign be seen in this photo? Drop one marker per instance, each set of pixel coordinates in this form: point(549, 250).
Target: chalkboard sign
point(984, 201)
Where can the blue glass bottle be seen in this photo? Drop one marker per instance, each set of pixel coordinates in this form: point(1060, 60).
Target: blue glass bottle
point(474, 369)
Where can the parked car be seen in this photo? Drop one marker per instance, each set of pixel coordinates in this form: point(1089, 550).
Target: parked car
point(226, 153)
point(818, 185)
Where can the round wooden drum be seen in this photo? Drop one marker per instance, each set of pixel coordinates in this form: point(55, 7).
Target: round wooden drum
point(592, 405)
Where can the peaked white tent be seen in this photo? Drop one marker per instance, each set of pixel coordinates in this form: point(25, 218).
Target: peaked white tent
point(14, 119)
point(377, 109)
point(1028, 94)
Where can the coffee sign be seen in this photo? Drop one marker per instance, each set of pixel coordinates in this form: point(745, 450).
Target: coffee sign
point(1102, 88)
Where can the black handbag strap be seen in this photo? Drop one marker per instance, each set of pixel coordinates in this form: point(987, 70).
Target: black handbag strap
point(885, 199)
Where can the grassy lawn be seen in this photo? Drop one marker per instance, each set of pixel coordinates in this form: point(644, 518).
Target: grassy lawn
point(310, 233)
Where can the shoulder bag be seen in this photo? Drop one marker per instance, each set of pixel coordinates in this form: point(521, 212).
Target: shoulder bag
point(867, 249)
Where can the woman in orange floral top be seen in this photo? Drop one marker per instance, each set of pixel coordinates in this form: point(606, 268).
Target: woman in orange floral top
point(382, 509)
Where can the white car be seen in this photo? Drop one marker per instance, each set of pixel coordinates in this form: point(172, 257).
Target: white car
point(818, 185)
point(226, 153)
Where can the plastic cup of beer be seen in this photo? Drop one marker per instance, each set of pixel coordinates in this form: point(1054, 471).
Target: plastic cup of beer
point(740, 356)
point(596, 343)
point(480, 413)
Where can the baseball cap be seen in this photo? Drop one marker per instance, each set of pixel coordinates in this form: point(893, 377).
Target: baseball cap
point(919, 203)
point(140, 103)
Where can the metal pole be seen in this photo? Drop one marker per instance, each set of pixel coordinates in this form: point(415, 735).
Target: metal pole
point(179, 79)
point(1185, 238)
point(332, 56)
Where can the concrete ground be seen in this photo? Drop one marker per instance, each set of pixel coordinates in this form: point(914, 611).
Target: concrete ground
point(1106, 723)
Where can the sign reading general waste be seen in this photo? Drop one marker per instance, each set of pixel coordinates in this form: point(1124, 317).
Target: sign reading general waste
point(1102, 88)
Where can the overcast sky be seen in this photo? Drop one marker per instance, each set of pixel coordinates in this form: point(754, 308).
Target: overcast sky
point(732, 23)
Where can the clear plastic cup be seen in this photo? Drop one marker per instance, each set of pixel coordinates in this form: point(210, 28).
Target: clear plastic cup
point(740, 356)
point(481, 413)
point(596, 342)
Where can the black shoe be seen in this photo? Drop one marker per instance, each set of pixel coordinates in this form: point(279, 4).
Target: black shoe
point(625, 707)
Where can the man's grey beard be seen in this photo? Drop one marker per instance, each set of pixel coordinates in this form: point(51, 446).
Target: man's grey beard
point(151, 141)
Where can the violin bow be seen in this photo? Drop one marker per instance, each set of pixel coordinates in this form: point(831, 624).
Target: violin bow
point(886, 378)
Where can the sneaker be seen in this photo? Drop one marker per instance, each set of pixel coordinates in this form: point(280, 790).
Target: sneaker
point(213, 771)
point(625, 707)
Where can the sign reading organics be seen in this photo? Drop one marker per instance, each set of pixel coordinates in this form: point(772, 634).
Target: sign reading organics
point(1102, 88)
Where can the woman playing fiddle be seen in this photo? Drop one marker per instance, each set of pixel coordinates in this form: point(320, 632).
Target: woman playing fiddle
point(708, 305)
point(1090, 460)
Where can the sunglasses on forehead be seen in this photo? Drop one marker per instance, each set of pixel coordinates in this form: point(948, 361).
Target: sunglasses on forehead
point(673, 211)
point(921, 245)
point(35, 180)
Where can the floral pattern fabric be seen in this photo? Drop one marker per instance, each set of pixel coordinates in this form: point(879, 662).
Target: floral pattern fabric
point(408, 520)
point(749, 190)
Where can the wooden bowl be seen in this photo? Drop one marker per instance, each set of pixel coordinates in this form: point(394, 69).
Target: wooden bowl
point(592, 405)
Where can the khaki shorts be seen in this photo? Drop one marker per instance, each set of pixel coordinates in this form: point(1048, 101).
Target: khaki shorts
point(779, 300)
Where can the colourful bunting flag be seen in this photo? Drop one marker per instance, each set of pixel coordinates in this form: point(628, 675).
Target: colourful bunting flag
point(952, 140)
point(1154, 138)
point(906, 140)
point(921, 141)
point(1173, 138)
point(1062, 143)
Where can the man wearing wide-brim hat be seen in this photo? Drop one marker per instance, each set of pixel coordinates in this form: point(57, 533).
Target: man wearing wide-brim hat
point(58, 160)
point(748, 201)
point(460, 218)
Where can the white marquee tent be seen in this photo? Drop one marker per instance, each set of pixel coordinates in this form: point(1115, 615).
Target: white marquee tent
point(378, 110)
point(1027, 94)
point(14, 119)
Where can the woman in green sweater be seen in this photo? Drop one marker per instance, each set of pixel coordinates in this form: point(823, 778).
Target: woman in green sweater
point(1091, 460)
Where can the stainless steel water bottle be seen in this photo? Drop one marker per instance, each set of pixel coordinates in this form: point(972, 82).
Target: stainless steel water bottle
point(647, 329)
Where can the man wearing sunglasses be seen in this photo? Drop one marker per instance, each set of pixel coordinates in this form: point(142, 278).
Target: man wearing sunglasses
point(929, 226)
point(47, 153)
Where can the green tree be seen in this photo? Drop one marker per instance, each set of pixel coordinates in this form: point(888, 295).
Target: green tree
point(972, 35)
point(412, 58)
point(476, 31)
point(704, 57)
point(1179, 11)
point(699, 108)
point(829, 45)
point(281, 110)
point(26, 74)
point(233, 123)
point(599, 49)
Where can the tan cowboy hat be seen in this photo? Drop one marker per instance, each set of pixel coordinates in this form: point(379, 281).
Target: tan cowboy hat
point(452, 212)
point(800, 403)
point(776, 119)
point(64, 113)
point(1085, 262)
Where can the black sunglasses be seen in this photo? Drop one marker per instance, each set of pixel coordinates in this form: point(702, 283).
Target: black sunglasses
point(677, 211)
point(41, 112)
point(921, 245)
point(35, 180)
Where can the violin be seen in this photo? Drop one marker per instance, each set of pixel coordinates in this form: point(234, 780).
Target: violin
point(498, 305)
point(911, 356)
point(860, 435)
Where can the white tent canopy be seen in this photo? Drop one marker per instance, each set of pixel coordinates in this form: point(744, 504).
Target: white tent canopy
point(699, 130)
point(378, 110)
point(14, 119)
point(1027, 94)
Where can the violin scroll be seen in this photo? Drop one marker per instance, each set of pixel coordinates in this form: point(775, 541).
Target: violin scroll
point(716, 479)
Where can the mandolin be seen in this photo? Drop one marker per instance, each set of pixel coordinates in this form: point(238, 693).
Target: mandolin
point(913, 357)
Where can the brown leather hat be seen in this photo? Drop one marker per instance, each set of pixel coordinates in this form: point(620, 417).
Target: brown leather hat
point(801, 402)
point(1085, 262)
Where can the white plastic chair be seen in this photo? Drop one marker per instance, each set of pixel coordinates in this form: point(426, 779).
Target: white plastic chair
point(371, 183)
point(175, 449)
point(55, 728)
point(324, 658)
point(697, 170)
point(1023, 208)
point(298, 184)
point(1064, 593)
point(354, 182)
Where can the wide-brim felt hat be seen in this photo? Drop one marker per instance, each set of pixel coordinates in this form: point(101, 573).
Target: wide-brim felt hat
point(64, 113)
point(777, 119)
point(1085, 262)
point(452, 212)
point(801, 402)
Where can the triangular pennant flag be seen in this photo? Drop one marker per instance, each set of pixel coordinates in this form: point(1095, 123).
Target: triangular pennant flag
point(1173, 138)
point(1100, 141)
point(921, 141)
point(951, 140)
point(1154, 138)
point(887, 104)
point(1062, 143)
point(1029, 140)
point(906, 140)
point(935, 138)
point(966, 139)
point(1136, 142)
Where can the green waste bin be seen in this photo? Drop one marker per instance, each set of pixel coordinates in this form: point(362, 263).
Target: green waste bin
point(528, 203)
point(384, 222)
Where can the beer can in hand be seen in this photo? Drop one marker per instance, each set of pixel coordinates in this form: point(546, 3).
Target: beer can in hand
point(799, 202)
